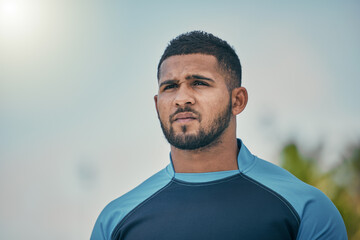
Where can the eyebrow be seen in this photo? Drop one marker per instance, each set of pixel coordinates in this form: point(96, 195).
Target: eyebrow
point(200, 77)
point(168, 82)
point(193, 76)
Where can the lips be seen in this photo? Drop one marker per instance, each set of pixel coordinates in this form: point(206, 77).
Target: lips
point(184, 117)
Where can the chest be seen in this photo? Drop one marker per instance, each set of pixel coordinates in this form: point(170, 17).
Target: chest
point(232, 208)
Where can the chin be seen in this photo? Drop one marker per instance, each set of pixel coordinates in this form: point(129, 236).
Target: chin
point(187, 134)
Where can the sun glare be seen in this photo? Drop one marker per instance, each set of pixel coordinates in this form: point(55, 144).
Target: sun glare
point(10, 9)
point(18, 18)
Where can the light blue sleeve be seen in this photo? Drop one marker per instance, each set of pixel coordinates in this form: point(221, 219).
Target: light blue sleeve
point(116, 210)
point(97, 233)
point(321, 220)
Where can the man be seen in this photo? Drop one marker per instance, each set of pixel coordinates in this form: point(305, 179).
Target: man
point(213, 188)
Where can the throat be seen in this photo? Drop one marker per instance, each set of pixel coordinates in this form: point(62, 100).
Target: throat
point(214, 159)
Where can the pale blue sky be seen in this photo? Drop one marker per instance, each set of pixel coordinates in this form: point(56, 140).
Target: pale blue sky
point(78, 125)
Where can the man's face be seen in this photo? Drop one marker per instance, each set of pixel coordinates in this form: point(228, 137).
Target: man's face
point(193, 102)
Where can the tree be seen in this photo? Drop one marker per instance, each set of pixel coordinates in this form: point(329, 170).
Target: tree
point(341, 183)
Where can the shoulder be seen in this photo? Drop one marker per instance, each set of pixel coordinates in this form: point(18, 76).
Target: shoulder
point(279, 180)
point(319, 218)
point(119, 208)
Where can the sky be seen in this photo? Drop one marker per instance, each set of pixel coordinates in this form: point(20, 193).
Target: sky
point(78, 126)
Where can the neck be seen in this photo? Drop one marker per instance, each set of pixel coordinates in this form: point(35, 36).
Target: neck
point(220, 156)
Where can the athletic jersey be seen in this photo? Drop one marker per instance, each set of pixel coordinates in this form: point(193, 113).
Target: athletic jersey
point(258, 201)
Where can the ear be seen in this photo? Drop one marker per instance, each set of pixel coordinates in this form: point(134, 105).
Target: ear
point(155, 100)
point(239, 99)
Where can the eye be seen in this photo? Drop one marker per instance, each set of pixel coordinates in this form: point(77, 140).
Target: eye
point(200, 83)
point(170, 86)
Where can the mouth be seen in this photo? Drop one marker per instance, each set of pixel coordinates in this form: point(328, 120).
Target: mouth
point(184, 117)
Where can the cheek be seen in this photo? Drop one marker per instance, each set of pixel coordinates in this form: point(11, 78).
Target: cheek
point(213, 108)
point(163, 111)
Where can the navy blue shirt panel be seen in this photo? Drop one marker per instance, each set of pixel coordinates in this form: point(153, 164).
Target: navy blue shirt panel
point(235, 207)
point(258, 201)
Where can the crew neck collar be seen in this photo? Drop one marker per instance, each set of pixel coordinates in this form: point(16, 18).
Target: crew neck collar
point(245, 161)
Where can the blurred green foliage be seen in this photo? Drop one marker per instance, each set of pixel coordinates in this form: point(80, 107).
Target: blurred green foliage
point(341, 183)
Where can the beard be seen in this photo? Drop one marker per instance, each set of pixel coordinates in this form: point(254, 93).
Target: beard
point(204, 137)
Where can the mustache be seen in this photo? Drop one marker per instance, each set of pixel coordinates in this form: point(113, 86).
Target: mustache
point(184, 109)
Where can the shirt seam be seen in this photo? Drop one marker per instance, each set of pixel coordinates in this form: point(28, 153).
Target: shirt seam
point(252, 165)
point(277, 195)
point(116, 229)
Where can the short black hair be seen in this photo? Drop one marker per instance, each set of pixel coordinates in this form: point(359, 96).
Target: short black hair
point(206, 43)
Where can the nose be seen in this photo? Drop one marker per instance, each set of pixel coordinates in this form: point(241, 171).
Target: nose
point(184, 97)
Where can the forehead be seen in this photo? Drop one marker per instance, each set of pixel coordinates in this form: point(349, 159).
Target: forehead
point(179, 66)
